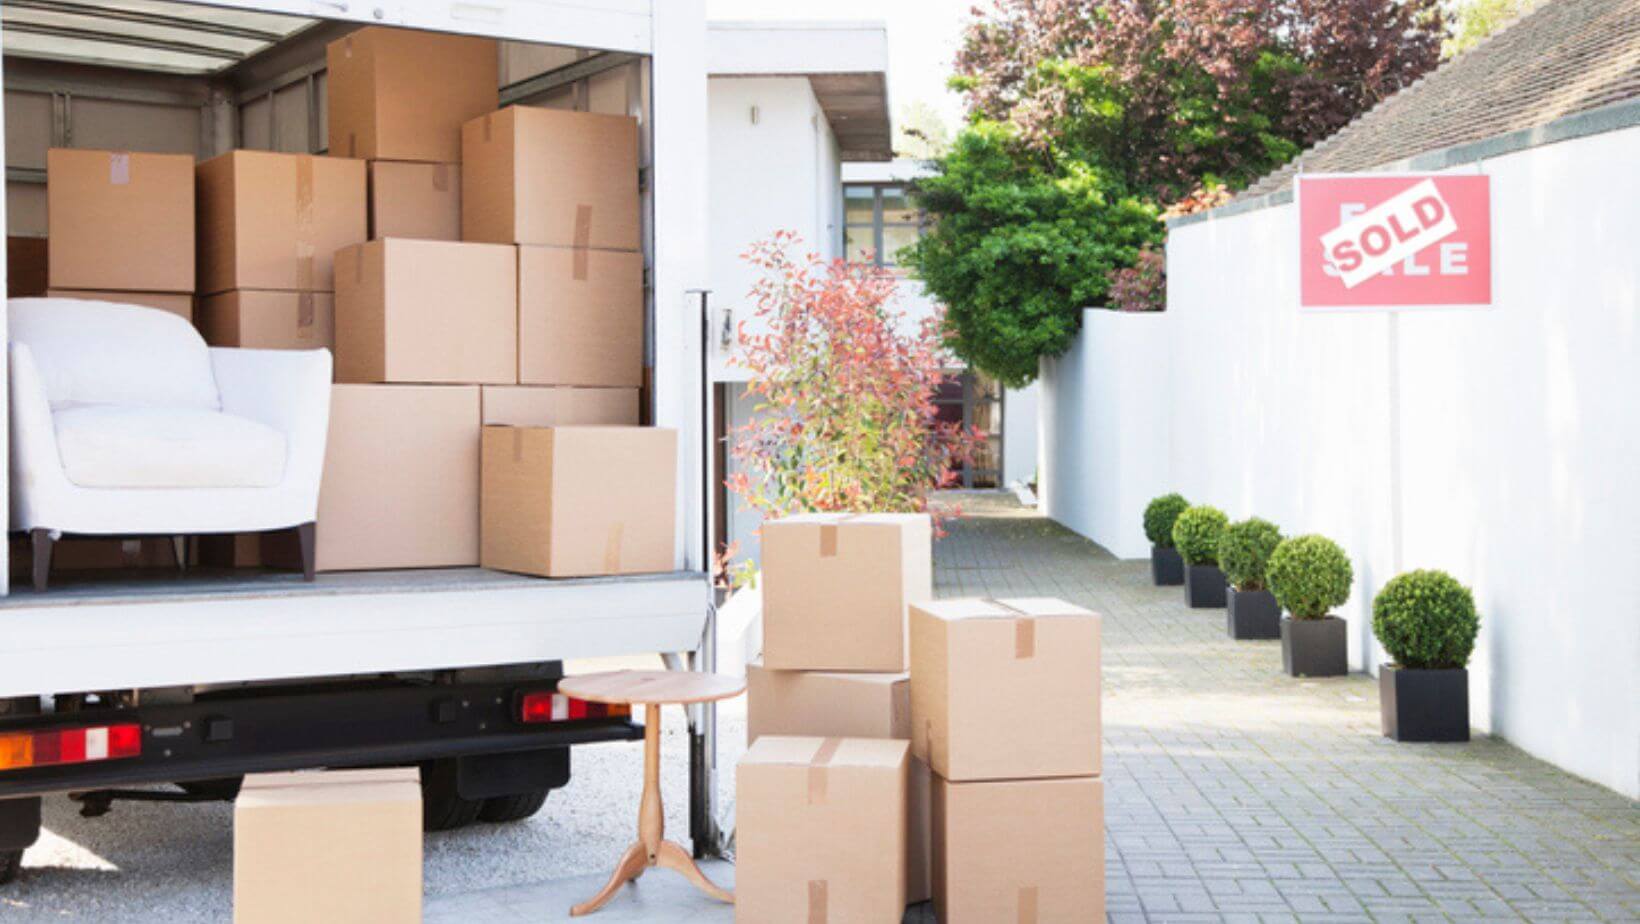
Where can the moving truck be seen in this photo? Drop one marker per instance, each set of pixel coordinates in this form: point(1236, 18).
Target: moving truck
point(175, 686)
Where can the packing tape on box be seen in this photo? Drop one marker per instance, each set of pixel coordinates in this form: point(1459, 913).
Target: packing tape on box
point(612, 547)
point(583, 240)
point(304, 310)
point(1024, 631)
point(828, 536)
point(1027, 905)
point(119, 168)
point(305, 248)
point(441, 177)
point(486, 128)
point(818, 901)
point(817, 770)
point(518, 444)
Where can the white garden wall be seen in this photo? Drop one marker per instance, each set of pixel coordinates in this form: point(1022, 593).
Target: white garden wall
point(1501, 444)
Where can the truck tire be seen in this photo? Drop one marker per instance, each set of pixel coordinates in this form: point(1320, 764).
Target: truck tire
point(11, 863)
point(504, 809)
point(442, 807)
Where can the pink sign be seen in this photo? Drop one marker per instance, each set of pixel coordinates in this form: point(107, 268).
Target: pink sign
point(1394, 240)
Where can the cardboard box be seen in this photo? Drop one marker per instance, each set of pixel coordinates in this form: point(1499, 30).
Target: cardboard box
point(550, 176)
point(273, 221)
point(408, 199)
point(848, 705)
point(580, 317)
point(180, 304)
point(539, 406)
point(427, 311)
point(836, 587)
point(1019, 850)
point(339, 845)
point(575, 501)
point(1005, 689)
point(94, 553)
point(120, 221)
point(264, 320)
point(403, 94)
point(26, 266)
point(400, 486)
point(820, 830)
point(231, 550)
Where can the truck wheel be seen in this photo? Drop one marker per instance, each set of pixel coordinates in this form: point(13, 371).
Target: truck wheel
point(11, 863)
point(503, 809)
point(442, 807)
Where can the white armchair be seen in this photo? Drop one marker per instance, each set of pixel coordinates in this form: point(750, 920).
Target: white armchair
point(123, 423)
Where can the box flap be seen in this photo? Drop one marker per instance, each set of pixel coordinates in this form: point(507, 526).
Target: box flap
point(1006, 608)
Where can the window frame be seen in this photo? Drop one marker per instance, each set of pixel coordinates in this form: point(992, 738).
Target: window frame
point(877, 224)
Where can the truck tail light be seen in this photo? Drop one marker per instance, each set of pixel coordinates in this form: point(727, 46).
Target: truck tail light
point(53, 747)
point(546, 706)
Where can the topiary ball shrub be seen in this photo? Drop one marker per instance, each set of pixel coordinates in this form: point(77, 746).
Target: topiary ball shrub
point(1196, 533)
point(1159, 516)
point(1309, 576)
point(1244, 552)
point(1426, 620)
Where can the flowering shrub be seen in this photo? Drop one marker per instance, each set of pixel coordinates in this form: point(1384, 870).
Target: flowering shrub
point(1142, 286)
point(844, 393)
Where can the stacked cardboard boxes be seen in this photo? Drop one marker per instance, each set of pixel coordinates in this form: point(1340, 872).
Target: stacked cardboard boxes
point(836, 589)
point(1005, 710)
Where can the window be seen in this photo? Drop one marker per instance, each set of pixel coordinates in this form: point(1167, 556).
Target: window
point(975, 400)
point(879, 220)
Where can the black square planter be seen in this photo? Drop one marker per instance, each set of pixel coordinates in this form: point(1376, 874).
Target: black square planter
point(1166, 566)
point(1424, 705)
point(1252, 614)
point(1204, 586)
point(1314, 647)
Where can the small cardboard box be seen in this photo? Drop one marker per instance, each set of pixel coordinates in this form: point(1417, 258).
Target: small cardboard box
point(180, 304)
point(120, 221)
point(400, 487)
point(541, 406)
point(95, 553)
point(340, 845)
point(231, 550)
point(550, 176)
point(1005, 689)
point(273, 221)
point(580, 317)
point(820, 830)
point(427, 311)
point(836, 587)
point(403, 94)
point(847, 705)
point(578, 501)
point(408, 199)
point(263, 320)
point(1019, 850)
point(26, 269)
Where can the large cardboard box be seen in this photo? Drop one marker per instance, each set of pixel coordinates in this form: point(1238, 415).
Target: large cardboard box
point(580, 317)
point(578, 501)
point(1019, 850)
point(400, 486)
point(120, 221)
point(264, 320)
point(820, 830)
point(409, 199)
point(825, 704)
point(427, 311)
point(274, 221)
point(180, 304)
point(341, 845)
point(542, 406)
point(1005, 689)
point(26, 266)
point(550, 176)
point(403, 94)
point(836, 587)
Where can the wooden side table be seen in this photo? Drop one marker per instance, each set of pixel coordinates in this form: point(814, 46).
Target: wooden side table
point(651, 689)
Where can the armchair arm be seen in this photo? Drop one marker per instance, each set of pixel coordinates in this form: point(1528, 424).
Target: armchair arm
point(36, 469)
point(288, 390)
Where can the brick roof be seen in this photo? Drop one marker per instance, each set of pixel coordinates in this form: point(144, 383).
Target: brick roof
point(1561, 58)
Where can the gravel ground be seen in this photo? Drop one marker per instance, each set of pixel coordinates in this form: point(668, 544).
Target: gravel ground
point(174, 863)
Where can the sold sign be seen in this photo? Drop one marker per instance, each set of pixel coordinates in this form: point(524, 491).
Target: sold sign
point(1385, 240)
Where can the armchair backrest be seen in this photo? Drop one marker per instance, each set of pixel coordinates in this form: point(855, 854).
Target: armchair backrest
point(92, 352)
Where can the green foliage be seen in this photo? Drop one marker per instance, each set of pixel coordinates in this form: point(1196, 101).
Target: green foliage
point(1244, 552)
point(1019, 246)
point(1159, 516)
point(1477, 19)
point(1196, 533)
point(1309, 576)
point(1426, 620)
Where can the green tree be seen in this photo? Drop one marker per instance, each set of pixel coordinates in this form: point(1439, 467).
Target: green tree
point(1476, 19)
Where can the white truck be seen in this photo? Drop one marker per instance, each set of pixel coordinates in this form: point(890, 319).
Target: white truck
point(108, 687)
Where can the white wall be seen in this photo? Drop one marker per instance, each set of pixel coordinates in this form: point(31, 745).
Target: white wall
point(1020, 436)
point(1500, 444)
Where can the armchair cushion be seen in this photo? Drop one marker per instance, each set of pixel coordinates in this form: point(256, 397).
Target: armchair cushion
point(114, 446)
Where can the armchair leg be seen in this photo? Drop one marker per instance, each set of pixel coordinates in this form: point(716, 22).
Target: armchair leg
point(307, 537)
point(42, 557)
point(179, 553)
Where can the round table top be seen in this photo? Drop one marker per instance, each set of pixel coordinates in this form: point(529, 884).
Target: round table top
point(622, 688)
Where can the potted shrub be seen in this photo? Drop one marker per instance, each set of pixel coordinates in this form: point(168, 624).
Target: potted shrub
point(1426, 621)
point(1166, 567)
point(1309, 576)
point(1244, 556)
point(1196, 534)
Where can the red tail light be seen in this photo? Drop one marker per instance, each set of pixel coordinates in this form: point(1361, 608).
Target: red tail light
point(547, 706)
point(53, 747)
